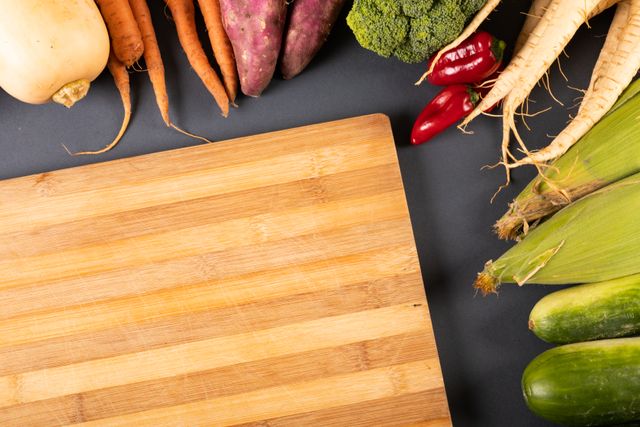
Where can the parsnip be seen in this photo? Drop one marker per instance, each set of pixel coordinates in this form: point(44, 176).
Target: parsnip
point(537, 9)
point(614, 35)
point(554, 31)
point(610, 78)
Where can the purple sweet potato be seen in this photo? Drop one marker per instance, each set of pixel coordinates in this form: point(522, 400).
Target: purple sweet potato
point(255, 29)
point(310, 22)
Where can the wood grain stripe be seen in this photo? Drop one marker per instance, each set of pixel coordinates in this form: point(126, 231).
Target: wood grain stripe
point(197, 212)
point(53, 207)
point(96, 176)
point(207, 238)
point(331, 392)
point(129, 333)
point(110, 313)
point(211, 353)
point(273, 261)
point(379, 413)
point(225, 381)
point(391, 252)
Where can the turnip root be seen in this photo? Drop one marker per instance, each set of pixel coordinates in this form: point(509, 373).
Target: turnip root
point(255, 29)
point(310, 22)
point(51, 50)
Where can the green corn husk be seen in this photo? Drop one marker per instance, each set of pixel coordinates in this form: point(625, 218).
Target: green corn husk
point(594, 239)
point(610, 151)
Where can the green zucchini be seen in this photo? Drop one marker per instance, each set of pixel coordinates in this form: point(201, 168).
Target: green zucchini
point(586, 384)
point(609, 309)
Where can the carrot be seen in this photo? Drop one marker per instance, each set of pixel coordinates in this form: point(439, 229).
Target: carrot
point(221, 45)
point(537, 9)
point(152, 56)
point(121, 78)
point(610, 78)
point(123, 30)
point(480, 17)
point(183, 13)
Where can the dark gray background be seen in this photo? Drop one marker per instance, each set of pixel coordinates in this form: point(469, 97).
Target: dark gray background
point(484, 343)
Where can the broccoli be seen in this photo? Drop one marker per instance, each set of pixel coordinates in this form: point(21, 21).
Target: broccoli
point(411, 30)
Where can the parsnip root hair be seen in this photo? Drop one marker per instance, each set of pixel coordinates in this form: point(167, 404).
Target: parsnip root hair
point(475, 23)
point(519, 67)
point(537, 9)
point(619, 63)
point(547, 40)
point(611, 43)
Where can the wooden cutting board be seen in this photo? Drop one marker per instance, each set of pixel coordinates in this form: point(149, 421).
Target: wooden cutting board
point(264, 281)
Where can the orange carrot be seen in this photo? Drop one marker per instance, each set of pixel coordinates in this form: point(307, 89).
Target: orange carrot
point(183, 13)
point(152, 56)
point(121, 78)
point(123, 30)
point(221, 45)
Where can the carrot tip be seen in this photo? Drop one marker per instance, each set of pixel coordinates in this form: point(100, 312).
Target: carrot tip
point(184, 132)
point(67, 150)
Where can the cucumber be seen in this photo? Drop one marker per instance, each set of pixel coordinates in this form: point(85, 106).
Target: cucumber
point(608, 309)
point(586, 384)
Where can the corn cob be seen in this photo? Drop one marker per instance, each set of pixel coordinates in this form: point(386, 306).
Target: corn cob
point(594, 239)
point(609, 152)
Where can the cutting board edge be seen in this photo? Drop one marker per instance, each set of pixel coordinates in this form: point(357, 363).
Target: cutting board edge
point(217, 144)
point(417, 255)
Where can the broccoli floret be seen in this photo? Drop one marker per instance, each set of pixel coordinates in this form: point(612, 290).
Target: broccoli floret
point(416, 9)
point(386, 16)
point(470, 7)
point(411, 30)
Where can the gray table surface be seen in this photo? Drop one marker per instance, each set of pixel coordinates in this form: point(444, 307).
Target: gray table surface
point(484, 343)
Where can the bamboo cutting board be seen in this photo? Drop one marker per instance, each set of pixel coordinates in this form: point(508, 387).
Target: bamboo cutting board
point(264, 281)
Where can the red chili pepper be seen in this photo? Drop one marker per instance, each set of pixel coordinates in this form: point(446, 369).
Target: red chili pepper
point(472, 61)
point(452, 104)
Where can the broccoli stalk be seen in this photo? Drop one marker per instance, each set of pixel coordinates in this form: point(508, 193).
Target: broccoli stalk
point(411, 30)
